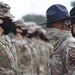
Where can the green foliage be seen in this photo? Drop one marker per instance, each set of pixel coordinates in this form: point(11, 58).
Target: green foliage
point(73, 3)
point(35, 18)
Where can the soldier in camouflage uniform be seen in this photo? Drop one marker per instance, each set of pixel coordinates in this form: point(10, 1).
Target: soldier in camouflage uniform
point(62, 57)
point(40, 48)
point(8, 65)
point(31, 43)
point(52, 27)
point(26, 53)
point(43, 50)
point(72, 16)
point(31, 26)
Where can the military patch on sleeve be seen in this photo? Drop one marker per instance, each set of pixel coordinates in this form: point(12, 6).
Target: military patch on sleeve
point(71, 58)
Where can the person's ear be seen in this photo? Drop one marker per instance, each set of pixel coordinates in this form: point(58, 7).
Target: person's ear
point(1, 21)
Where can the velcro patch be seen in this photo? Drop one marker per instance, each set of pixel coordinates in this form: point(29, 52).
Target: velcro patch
point(71, 59)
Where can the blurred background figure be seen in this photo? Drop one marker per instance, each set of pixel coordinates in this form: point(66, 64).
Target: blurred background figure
point(72, 16)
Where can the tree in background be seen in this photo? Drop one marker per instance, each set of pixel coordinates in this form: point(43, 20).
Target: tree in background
point(35, 18)
point(73, 3)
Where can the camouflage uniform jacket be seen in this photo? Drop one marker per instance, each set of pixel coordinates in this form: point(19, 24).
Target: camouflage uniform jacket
point(63, 57)
point(55, 34)
point(35, 54)
point(7, 60)
point(24, 55)
point(41, 51)
point(44, 53)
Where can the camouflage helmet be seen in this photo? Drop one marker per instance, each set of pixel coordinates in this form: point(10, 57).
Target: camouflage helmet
point(19, 22)
point(5, 10)
point(40, 29)
point(31, 24)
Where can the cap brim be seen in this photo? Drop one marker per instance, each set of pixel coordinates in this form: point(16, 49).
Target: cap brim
point(8, 14)
point(54, 20)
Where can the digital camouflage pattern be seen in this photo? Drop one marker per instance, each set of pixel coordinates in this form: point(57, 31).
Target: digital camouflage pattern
point(25, 52)
point(40, 55)
point(63, 57)
point(24, 56)
point(7, 61)
point(5, 10)
point(43, 52)
point(30, 24)
point(13, 51)
point(19, 22)
point(44, 57)
point(55, 34)
point(35, 54)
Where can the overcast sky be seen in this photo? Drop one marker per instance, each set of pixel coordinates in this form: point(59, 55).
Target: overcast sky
point(20, 8)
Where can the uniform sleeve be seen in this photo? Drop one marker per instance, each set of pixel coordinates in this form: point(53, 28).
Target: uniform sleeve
point(57, 60)
point(56, 64)
point(6, 60)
